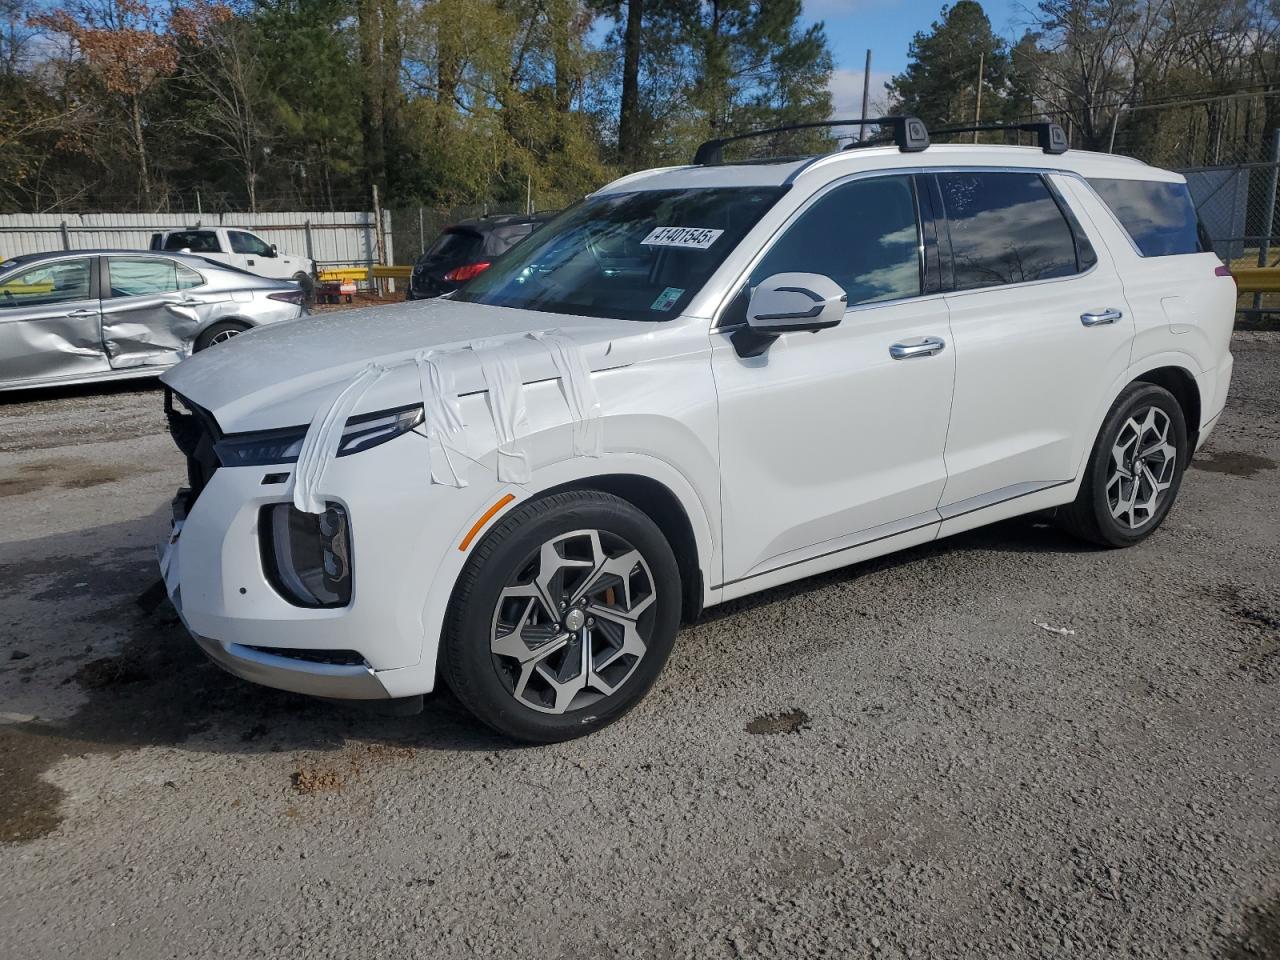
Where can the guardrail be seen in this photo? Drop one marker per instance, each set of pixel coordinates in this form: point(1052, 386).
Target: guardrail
point(1257, 279)
point(363, 274)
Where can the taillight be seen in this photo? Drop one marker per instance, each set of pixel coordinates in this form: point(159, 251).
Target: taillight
point(1223, 271)
point(288, 296)
point(466, 272)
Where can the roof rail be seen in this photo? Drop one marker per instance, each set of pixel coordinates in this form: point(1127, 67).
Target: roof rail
point(1050, 137)
point(909, 134)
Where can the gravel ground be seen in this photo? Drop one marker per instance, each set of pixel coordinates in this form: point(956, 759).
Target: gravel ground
point(891, 760)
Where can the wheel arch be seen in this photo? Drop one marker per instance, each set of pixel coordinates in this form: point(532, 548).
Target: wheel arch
point(1180, 382)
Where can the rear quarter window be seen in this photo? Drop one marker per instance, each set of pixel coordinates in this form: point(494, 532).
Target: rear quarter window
point(1160, 218)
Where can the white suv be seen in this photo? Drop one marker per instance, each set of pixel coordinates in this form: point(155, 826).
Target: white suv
point(698, 383)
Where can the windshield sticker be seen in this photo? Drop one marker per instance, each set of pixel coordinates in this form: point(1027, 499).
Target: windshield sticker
point(692, 238)
point(667, 298)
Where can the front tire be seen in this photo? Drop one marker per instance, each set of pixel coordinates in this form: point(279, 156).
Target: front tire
point(562, 618)
point(1134, 471)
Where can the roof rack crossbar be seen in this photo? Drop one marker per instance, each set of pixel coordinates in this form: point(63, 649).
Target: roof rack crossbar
point(909, 134)
point(1049, 136)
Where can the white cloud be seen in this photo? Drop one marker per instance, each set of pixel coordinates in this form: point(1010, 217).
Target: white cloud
point(846, 93)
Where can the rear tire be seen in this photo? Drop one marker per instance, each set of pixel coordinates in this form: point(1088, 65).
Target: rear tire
point(562, 618)
point(1134, 470)
point(218, 333)
point(308, 285)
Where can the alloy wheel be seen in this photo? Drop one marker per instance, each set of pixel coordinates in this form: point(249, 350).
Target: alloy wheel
point(1143, 467)
point(222, 336)
point(573, 623)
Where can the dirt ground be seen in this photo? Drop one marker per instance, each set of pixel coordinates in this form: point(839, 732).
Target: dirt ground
point(892, 760)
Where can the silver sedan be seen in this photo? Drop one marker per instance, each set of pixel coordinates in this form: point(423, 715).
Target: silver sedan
point(85, 315)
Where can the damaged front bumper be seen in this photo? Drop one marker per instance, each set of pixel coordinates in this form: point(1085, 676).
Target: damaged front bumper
point(343, 681)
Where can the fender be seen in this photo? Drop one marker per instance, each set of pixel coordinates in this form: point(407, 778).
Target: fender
point(420, 677)
point(1170, 358)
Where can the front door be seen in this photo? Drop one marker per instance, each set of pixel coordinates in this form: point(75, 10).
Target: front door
point(151, 310)
point(828, 441)
point(49, 322)
point(1041, 329)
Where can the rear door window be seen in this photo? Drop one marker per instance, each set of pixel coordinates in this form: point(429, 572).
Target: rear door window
point(1159, 217)
point(140, 277)
point(1006, 228)
point(197, 241)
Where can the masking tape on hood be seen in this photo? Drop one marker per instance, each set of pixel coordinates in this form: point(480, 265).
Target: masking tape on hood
point(446, 430)
point(320, 445)
point(579, 391)
point(506, 404)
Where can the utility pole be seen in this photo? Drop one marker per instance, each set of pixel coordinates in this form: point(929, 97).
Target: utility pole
point(866, 96)
point(977, 107)
point(379, 242)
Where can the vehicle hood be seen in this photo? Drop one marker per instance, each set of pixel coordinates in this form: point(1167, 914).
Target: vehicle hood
point(279, 375)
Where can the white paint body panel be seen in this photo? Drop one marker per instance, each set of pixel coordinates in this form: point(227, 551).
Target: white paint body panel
point(820, 453)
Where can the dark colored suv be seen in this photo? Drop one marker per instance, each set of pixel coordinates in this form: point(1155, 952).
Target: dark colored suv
point(466, 249)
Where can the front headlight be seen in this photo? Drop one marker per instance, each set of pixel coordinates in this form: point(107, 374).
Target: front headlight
point(268, 447)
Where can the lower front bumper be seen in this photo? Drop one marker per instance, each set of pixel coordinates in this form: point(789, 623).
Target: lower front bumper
point(337, 681)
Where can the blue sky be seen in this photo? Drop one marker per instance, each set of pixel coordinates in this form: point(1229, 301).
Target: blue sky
point(887, 26)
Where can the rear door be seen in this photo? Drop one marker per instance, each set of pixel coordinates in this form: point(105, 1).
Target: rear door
point(49, 318)
point(152, 309)
point(1041, 330)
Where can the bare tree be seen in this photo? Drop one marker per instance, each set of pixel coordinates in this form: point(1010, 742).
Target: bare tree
point(224, 68)
point(127, 45)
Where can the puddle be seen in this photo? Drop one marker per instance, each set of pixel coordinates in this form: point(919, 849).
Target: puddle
point(160, 690)
point(1261, 625)
point(67, 474)
point(1235, 464)
point(788, 721)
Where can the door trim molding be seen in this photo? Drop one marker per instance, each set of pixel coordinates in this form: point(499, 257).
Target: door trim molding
point(862, 538)
point(983, 500)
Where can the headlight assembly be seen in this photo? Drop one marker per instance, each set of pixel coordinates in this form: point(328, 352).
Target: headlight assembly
point(307, 558)
point(267, 447)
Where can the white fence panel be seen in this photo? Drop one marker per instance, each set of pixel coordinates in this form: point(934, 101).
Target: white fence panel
point(331, 239)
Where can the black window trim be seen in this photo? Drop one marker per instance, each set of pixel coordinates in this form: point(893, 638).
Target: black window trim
point(910, 174)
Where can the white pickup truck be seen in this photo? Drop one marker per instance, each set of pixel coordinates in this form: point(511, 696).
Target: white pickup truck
point(242, 249)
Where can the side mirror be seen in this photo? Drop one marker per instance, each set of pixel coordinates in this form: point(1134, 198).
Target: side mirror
point(273, 252)
point(789, 303)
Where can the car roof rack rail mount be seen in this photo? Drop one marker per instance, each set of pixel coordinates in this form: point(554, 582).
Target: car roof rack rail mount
point(1050, 137)
point(909, 133)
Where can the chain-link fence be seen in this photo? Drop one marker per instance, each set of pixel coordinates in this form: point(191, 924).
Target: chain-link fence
point(1237, 206)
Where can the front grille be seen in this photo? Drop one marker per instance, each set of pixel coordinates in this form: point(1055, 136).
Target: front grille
point(195, 433)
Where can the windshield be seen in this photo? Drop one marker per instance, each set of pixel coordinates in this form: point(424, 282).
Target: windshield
point(634, 256)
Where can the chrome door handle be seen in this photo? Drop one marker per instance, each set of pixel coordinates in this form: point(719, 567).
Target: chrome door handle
point(917, 347)
point(1109, 315)
point(77, 314)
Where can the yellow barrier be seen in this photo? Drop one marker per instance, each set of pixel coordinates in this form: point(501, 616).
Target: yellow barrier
point(1257, 279)
point(361, 274)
